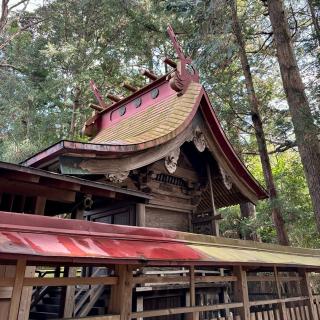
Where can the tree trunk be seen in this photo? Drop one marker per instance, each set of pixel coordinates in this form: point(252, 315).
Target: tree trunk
point(315, 20)
point(259, 133)
point(303, 122)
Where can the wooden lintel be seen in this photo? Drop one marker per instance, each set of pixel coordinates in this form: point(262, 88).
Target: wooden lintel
point(32, 189)
point(20, 176)
point(98, 192)
point(60, 184)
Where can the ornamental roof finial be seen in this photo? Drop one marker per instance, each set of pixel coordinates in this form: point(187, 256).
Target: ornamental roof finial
point(185, 71)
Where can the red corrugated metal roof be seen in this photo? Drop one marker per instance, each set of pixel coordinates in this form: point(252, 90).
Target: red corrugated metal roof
point(44, 240)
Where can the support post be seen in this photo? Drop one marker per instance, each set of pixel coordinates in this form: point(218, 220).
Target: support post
point(282, 306)
point(139, 305)
point(306, 291)
point(24, 310)
point(40, 205)
point(70, 291)
point(17, 289)
point(121, 294)
point(241, 293)
point(214, 222)
point(141, 214)
point(195, 315)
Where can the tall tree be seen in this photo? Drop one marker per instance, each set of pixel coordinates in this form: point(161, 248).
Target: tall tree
point(305, 130)
point(258, 128)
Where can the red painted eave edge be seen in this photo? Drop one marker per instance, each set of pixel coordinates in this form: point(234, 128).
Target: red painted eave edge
point(228, 150)
point(53, 240)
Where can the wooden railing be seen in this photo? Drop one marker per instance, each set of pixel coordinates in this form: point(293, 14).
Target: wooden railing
point(125, 279)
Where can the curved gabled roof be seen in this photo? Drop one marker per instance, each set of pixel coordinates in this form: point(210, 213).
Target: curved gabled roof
point(151, 117)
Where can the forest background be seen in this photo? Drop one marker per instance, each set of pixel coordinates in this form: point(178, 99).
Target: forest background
point(49, 51)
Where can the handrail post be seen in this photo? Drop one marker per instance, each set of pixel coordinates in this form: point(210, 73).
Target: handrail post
point(121, 294)
point(282, 305)
point(306, 291)
point(17, 289)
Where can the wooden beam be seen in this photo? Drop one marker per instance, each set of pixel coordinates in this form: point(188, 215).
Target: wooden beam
point(72, 281)
point(241, 292)
point(171, 311)
point(271, 278)
point(129, 87)
point(170, 62)
point(32, 189)
point(181, 279)
point(20, 176)
point(17, 289)
point(149, 74)
point(96, 107)
point(105, 317)
point(113, 97)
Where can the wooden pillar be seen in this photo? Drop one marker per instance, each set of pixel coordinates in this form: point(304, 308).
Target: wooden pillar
point(17, 289)
point(306, 291)
point(141, 214)
point(70, 291)
point(215, 223)
point(121, 294)
point(139, 305)
point(40, 205)
point(69, 294)
point(192, 295)
point(241, 293)
point(39, 208)
point(281, 305)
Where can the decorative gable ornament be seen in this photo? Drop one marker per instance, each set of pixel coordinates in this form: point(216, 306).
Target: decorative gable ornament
point(199, 140)
point(227, 181)
point(171, 161)
point(185, 72)
point(117, 177)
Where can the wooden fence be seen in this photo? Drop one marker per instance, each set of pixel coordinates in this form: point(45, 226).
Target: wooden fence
point(239, 307)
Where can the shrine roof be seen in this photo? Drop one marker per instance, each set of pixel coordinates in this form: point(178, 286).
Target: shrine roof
point(148, 118)
point(48, 240)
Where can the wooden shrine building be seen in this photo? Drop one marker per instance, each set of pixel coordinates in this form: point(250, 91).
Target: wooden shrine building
point(149, 184)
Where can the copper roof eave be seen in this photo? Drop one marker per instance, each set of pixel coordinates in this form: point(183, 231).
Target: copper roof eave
point(52, 240)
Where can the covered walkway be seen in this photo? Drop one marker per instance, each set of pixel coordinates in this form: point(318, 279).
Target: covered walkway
point(30, 240)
